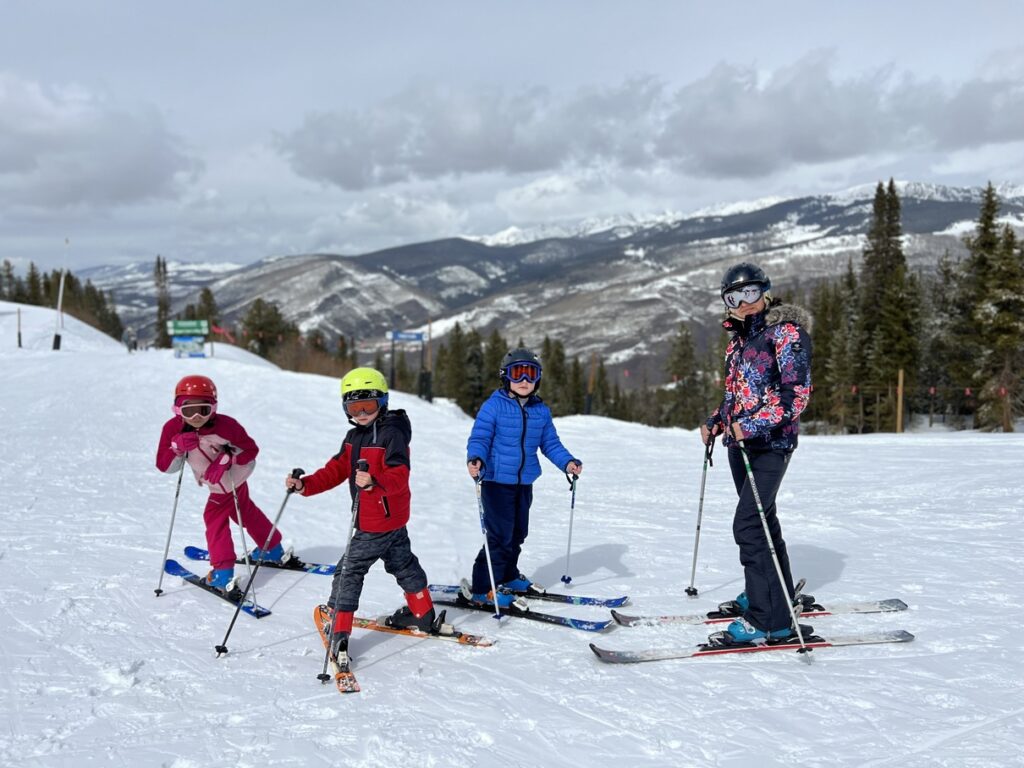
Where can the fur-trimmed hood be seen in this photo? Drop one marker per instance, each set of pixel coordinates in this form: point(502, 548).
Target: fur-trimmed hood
point(789, 313)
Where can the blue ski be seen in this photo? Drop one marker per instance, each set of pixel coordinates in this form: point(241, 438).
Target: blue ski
point(291, 564)
point(174, 568)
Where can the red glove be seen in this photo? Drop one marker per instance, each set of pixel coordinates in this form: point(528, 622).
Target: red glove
point(216, 470)
point(183, 442)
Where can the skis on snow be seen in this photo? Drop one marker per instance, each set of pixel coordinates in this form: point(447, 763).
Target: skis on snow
point(809, 611)
point(445, 632)
point(519, 608)
point(291, 564)
point(710, 649)
point(174, 568)
point(606, 602)
point(344, 677)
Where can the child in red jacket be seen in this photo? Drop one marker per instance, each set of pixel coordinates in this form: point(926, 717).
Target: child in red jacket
point(222, 456)
point(381, 438)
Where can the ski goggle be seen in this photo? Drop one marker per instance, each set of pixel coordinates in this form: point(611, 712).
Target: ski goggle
point(748, 294)
point(523, 372)
point(195, 409)
point(359, 407)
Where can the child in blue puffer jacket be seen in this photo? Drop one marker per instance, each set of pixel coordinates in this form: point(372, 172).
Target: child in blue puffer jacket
point(502, 455)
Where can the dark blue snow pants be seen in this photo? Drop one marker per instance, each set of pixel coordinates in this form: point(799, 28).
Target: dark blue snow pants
point(507, 519)
point(769, 609)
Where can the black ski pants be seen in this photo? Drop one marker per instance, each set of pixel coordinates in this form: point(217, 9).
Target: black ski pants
point(769, 609)
point(394, 548)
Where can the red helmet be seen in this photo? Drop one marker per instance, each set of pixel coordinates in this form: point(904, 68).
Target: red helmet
point(196, 386)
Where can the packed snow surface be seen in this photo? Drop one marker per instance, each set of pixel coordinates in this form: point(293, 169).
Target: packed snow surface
point(97, 670)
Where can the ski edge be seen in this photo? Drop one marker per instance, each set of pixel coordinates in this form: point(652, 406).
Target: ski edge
point(635, 657)
point(584, 625)
point(553, 597)
point(321, 569)
point(890, 605)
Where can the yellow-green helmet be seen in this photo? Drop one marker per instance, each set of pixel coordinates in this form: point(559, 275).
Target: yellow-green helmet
point(365, 384)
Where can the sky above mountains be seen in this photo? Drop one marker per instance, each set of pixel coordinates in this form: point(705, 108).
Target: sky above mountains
point(233, 131)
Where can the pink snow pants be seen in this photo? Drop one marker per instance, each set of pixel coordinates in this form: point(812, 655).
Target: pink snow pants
point(220, 509)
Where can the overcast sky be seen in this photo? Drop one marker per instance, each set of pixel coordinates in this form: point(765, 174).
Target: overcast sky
point(230, 131)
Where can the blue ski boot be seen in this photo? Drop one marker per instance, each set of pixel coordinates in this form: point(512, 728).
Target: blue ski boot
point(522, 586)
point(272, 555)
point(742, 631)
point(222, 579)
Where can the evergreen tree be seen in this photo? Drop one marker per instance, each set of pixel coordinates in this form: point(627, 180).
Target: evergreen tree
point(1001, 316)
point(453, 375)
point(266, 327)
point(555, 382)
point(685, 401)
point(473, 391)
point(33, 285)
point(163, 303)
point(494, 352)
point(601, 394)
point(7, 281)
point(969, 306)
point(576, 388)
point(207, 308)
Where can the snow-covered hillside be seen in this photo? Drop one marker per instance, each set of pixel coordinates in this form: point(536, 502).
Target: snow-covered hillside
point(97, 670)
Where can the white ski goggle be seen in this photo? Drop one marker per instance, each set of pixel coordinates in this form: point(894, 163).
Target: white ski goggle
point(748, 294)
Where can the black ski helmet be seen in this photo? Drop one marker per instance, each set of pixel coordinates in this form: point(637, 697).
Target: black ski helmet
point(743, 274)
point(519, 355)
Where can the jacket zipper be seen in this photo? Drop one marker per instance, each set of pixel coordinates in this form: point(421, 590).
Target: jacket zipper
point(522, 445)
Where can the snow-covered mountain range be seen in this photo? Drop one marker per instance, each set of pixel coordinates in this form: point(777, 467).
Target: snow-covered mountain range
point(617, 287)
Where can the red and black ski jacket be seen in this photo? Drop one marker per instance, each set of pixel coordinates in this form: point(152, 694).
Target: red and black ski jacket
point(384, 444)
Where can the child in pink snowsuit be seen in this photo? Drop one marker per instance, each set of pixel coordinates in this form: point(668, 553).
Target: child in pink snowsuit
point(222, 456)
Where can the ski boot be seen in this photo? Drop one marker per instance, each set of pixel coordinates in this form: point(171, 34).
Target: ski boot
point(276, 554)
point(418, 614)
point(734, 607)
point(521, 585)
point(223, 580)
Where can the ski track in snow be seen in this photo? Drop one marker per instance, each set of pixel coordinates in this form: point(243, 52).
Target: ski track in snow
point(97, 670)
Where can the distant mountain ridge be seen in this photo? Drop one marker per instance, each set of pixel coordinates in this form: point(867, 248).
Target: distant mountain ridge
point(617, 287)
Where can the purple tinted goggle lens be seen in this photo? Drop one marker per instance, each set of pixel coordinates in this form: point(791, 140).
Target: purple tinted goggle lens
point(748, 294)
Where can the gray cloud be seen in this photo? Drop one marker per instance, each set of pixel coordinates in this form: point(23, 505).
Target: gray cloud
point(65, 147)
point(734, 123)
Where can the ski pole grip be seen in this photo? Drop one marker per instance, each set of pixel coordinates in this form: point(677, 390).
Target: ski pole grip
point(297, 473)
point(363, 465)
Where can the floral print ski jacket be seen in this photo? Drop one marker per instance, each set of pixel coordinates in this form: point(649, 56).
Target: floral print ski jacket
point(767, 378)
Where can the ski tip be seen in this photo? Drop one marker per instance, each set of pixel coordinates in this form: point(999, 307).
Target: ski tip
point(902, 636)
point(597, 651)
point(622, 620)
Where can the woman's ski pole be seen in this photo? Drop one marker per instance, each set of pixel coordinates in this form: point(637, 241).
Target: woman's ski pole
point(708, 448)
point(487, 549)
point(223, 647)
point(174, 511)
point(566, 578)
point(362, 466)
point(771, 548)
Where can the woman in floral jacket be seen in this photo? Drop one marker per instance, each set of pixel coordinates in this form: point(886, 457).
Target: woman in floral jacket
point(767, 387)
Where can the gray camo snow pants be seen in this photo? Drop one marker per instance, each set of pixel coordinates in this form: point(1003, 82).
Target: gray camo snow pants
point(394, 548)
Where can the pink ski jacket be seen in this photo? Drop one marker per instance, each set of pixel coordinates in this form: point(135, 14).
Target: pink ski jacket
point(214, 435)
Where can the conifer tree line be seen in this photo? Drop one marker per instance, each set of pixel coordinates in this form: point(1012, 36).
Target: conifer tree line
point(83, 301)
point(467, 372)
point(957, 334)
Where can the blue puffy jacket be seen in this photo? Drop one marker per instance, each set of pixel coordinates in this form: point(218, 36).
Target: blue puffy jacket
point(506, 437)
